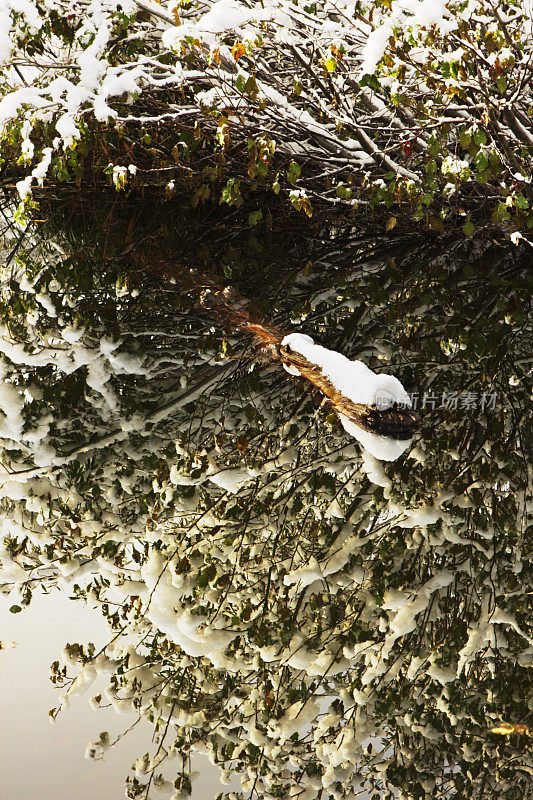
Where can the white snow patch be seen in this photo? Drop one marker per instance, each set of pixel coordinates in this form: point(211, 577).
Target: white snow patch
point(374, 471)
point(440, 674)
point(381, 447)
point(352, 379)
point(72, 335)
point(425, 515)
point(222, 16)
point(230, 480)
point(304, 576)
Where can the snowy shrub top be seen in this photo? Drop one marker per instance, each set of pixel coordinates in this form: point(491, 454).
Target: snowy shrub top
point(418, 111)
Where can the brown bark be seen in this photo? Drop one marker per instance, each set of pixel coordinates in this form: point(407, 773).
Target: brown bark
point(224, 304)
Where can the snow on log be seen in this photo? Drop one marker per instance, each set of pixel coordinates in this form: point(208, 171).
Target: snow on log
point(375, 409)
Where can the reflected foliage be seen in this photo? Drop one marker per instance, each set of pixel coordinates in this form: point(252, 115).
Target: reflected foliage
point(319, 623)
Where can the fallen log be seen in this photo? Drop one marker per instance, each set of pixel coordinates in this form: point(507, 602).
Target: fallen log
point(375, 408)
point(383, 407)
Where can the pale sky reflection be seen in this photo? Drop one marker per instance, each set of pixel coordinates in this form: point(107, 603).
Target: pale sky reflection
point(44, 761)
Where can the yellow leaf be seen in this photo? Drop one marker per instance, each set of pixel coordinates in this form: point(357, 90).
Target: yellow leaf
point(508, 728)
point(306, 206)
point(237, 50)
point(391, 222)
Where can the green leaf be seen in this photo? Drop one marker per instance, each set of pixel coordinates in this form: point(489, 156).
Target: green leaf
point(250, 87)
point(371, 81)
point(480, 137)
point(254, 218)
point(468, 227)
point(343, 191)
point(15, 609)
point(293, 172)
point(481, 161)
point(464, 138)
point(501, 213)
point(433, 145)
point(495, 163)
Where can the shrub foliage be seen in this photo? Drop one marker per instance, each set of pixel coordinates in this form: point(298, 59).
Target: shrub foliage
point(416, 113)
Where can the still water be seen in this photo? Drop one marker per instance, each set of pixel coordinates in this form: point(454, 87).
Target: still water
point(43, 760)
point(259, 586)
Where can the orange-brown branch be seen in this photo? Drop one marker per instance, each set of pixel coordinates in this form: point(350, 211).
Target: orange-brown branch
point(225, 304)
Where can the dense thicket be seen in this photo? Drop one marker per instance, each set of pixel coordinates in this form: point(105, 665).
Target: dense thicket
point(415, 112)
point(318, 623)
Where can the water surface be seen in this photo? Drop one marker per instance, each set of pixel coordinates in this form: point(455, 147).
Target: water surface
point(308, 617)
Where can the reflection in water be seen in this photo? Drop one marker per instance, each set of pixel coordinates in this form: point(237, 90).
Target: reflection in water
point(313, 619)
point(35, 757)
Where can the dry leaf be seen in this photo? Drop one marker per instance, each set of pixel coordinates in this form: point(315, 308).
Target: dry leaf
point(237, 50)
point(510, 728)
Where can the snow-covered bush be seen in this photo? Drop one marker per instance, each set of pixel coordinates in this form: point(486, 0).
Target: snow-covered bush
point(416, 111)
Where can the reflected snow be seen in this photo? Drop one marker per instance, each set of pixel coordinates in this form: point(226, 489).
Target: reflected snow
point(310, 618)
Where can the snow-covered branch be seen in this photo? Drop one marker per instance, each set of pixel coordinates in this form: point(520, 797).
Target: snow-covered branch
point(417, 101)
